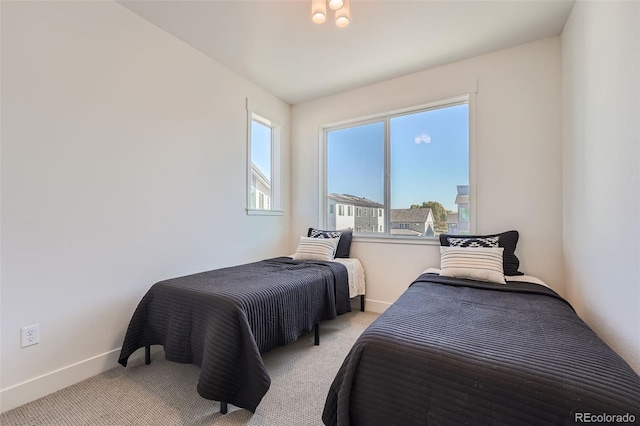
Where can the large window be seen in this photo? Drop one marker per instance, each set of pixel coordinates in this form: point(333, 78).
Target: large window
point(263, 192)
point(409, 169)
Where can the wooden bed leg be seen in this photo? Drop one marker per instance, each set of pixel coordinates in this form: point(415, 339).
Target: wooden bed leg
point(223, 407)
point(316, 332)
point(362, 302)
point(147, 354)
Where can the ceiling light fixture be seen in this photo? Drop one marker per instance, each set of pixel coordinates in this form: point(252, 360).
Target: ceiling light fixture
point(335, 4)
point(319, 11)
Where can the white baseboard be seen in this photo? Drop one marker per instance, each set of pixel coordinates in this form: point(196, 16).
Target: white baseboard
point(375, 306)
point(32, 389)
point(38, 387)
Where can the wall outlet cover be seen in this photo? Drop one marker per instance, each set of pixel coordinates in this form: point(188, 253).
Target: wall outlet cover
point(29, 335)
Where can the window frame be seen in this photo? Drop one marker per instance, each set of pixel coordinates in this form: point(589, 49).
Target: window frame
point(256, 113)
point(387, 237)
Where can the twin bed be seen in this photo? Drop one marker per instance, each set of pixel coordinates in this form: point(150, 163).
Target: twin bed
point(455, 348)
point(455, 351)
point(223, 320)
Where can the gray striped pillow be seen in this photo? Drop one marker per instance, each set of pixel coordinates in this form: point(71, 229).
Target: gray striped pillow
point(316, 248)
point(477, 263)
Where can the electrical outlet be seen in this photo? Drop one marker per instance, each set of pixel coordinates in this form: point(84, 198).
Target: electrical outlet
point(30, 335)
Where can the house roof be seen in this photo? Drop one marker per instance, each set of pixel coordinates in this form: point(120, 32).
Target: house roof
point(354, 200)
point(410, 215)
point(463, 189)
point(255, 171)
point(452, 218)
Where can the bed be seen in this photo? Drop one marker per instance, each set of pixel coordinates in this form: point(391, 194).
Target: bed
point(223, 320)
point(456, 350)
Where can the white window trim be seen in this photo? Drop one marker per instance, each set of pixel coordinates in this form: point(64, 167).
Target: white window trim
point(260, 114)
point(470, 98)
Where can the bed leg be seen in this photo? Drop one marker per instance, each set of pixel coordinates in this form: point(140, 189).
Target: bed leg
point(362, 302)
point(316, 332)
point(223, 407)
point(147, 354)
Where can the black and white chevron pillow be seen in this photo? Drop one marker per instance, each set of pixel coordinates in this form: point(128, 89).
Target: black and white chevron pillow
point(317, 233)
point(474, 242)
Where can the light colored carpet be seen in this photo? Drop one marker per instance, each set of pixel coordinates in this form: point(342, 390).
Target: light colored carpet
point(164, 393)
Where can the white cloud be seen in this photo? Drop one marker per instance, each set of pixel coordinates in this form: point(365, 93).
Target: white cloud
point(423, 138)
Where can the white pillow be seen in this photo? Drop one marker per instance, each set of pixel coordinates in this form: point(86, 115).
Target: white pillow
point(473, 263)
point(316, 248)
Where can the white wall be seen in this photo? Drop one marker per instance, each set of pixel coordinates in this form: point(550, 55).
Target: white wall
point(123, 163)
point(601, 170)
point(518, 151)
point(123, 159)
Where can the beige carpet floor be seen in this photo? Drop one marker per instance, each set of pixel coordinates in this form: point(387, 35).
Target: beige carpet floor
point(164, 393)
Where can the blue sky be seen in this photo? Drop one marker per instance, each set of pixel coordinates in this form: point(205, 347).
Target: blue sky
point(429, 158)
point(261, 147)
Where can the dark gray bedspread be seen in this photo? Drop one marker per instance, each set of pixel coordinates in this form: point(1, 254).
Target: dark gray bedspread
point(463, 352)
point(223, 320)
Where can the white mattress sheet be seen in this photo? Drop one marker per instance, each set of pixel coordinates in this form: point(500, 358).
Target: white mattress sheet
point(356, 275)
point(522, 278)
point(355, 271)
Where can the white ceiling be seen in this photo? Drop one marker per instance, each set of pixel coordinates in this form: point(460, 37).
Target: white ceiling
point(275, 45)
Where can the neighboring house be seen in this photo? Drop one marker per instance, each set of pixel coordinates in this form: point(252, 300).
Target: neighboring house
point(462, 201)
point(351, 212)
point(452, 223)
point(415, 222)
point(260, 189)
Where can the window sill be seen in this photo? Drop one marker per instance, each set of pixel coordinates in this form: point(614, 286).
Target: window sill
point(260, 212)
point(391, 239)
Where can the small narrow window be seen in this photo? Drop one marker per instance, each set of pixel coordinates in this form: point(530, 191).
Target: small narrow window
point(263, 147)
point(261, 136)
